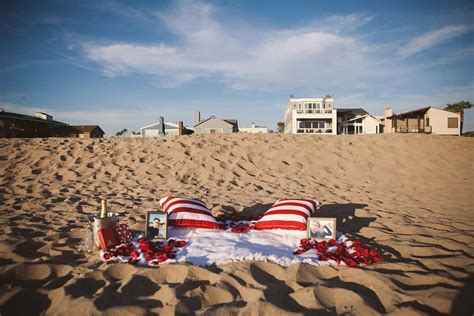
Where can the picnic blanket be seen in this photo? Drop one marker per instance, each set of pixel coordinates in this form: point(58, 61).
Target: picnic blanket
point(205, 247)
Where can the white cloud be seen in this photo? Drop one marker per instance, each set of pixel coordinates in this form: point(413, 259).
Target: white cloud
point(430, 39)
point(344, 23)
point(241, 56)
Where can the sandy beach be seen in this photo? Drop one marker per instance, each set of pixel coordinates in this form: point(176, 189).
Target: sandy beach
point(409, 196)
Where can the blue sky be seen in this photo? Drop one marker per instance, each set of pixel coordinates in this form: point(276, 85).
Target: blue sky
point(123, 64)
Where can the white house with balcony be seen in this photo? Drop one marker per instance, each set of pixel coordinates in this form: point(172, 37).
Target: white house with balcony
point(311, 116)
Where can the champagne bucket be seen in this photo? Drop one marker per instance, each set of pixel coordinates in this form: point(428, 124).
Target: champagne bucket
point(100, 223)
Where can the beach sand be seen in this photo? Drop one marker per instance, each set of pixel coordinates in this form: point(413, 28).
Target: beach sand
point(409, 196)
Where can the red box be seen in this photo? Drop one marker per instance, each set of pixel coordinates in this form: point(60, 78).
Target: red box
point(107, 238)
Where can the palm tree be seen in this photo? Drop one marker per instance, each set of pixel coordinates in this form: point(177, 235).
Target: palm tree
point(459, 108)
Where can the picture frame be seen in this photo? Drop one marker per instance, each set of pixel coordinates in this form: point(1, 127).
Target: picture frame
point(321, 228)
point(156, 225)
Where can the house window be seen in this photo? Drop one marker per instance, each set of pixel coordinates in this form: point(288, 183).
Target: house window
point(452, 122)
point(212, 131)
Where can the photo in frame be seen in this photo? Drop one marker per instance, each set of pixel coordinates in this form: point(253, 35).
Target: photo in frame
point(321, 228)
point(156, 225)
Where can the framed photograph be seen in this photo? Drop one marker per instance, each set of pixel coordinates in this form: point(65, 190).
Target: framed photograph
point(156, 225)
point(321, 228)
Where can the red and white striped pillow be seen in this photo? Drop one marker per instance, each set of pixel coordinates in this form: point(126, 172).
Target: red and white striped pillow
point(288, 214)
point(188, 212)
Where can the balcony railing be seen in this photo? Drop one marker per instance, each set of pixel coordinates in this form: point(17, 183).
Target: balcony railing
point(314, 130)
point(413, 129)
point(314, 111)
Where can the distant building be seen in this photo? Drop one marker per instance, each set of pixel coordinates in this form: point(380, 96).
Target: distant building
point(254, 129)
point(87, 131)
point(27, 126)
point(311, 116)
point(358, 121)
point(162, 128)
point(426, 120)
point(42, 125)
point(214, 125)
point(366, 124)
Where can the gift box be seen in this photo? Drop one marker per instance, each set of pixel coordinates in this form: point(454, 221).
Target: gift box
point(107, 238)
point(123, 232)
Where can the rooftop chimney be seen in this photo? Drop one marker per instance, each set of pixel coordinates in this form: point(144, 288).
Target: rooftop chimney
point(197, 117)
point(161, 131)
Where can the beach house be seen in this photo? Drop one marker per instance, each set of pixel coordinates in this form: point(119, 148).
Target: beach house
point(358, 121)
point(366, 124)
point(26, 126)
point(86, 131)
point(214, 125)
point(311, 116)
point(429, 120)
point(162, 128)
point(254, 129)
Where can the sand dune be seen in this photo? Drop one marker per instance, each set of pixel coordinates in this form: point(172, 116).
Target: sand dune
point(409, 196)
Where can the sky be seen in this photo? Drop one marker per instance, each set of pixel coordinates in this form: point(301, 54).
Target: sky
point(125, 64)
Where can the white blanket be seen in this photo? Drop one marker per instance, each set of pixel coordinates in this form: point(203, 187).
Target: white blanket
point(207, 247)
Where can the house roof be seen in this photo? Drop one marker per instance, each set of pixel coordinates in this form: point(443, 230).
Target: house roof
point(361, 117)
point(210, 117)
point(28, 118)
point(424, 110)
point(158, 123)
point(166, 123)
point(87, 128)
point(327, 96)
point(352, 110)
point(229, 121)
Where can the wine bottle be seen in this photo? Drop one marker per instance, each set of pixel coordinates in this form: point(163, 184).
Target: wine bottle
point(103, 212)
